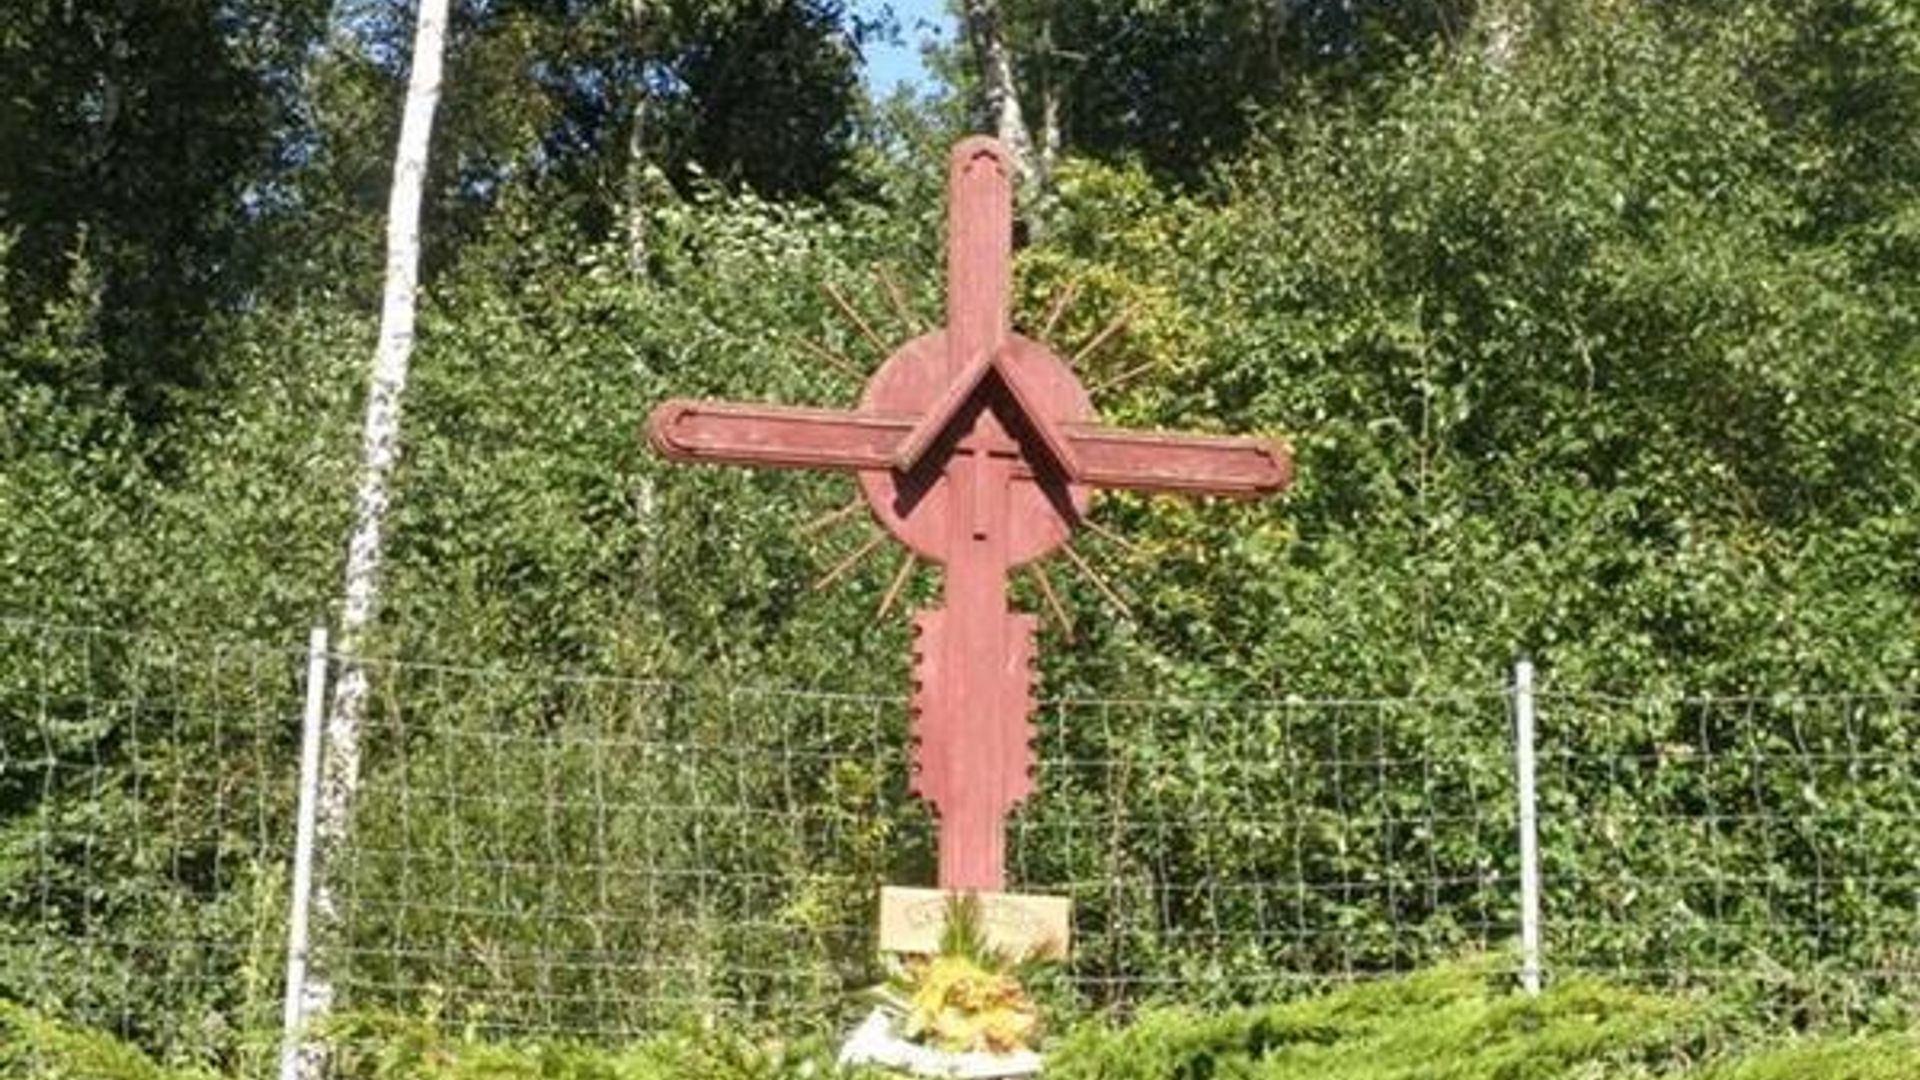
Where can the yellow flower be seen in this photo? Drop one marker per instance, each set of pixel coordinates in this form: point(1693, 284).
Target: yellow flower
point(959, 1005)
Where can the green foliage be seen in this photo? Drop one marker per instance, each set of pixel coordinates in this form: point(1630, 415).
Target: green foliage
point(1450, 1022)
point(388, 1048)
point(964, 935)
point(1454, 1022)
point(1571, 367)
point(1182, 86)
point(1881, 1057)
point(1606, 355)
point(554, 100)
point(133, 775)
point(1491, 317)
point(135, 137)
point(32, 1047)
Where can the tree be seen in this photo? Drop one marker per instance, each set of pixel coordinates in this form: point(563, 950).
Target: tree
point(589, 110)
point(640, 171)
point(149, 141)
point(381, 448)
point(999, 95)
point(1181, 85)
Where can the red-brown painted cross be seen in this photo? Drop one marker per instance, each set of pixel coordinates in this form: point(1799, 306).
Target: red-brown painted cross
point(977, 448)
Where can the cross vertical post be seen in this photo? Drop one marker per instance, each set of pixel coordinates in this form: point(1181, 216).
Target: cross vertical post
point(970, 717)
point(979, 251)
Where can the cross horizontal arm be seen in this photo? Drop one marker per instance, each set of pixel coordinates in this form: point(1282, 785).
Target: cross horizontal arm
point(792, 437)
point(776, 436)
point(1151, 461)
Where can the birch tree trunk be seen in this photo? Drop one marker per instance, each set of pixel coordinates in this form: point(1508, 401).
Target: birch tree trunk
point(380, 448)
point(639, 178)
point(986, 31)
point(644, 183)
point(1048, 151)
point(637, 186)
point(1504, 26)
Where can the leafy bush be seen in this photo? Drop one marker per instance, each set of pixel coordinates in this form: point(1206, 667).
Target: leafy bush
point(1606, 356)
point(1449, 1023)
point(389, 1048)
point(1883, 1057)
point(33, 1047)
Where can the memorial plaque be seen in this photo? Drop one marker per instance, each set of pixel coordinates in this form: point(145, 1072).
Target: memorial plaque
point(1020, 926)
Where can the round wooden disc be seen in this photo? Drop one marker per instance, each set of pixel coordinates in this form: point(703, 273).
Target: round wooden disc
point(915, 507)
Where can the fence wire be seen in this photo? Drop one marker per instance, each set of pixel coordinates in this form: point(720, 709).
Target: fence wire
point(598, 857)
point(146, 811)
point(1770, 842)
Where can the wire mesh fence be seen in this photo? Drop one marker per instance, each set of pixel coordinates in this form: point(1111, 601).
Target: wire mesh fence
point(547, 853)
point(145, 813)
point(599, 856)
point(1222, 851)
point(1767, 843)
point(596, 856)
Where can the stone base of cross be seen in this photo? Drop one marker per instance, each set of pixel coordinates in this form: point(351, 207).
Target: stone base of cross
point(978, 449)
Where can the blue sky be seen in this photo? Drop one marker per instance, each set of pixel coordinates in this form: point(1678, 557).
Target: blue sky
point(889, 66)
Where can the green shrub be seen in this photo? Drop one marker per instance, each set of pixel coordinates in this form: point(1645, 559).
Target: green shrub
point(1456, 1022)
point(1882, 1057)
point(394, 1048)
point(33, 1047)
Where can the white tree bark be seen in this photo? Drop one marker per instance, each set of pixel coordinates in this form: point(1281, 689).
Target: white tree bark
point(640, 176)
point(637, 186)
point(380, 448)
point(1504, 26)
point(1048, 151)
point(986, 31)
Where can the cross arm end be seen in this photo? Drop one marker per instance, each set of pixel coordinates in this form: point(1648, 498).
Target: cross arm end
point(1236, 467)
point(774, 436)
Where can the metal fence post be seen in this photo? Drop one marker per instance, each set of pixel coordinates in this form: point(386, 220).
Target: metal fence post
point(294, 1021)
point(1529, 825)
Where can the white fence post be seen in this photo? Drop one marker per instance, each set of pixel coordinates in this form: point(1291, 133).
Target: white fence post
point(1529, 826)
point(294, 1021)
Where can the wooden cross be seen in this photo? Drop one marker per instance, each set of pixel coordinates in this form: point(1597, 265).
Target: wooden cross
point(977, 448)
